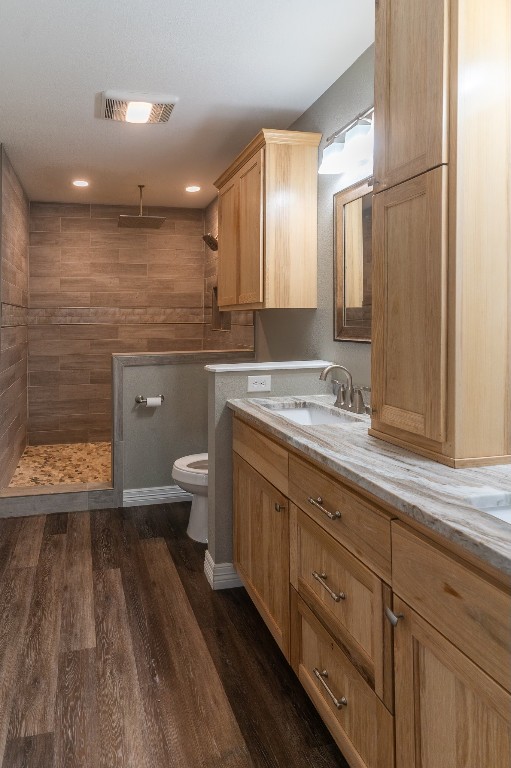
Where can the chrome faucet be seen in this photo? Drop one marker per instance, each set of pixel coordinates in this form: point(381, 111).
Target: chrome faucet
point(349, 398)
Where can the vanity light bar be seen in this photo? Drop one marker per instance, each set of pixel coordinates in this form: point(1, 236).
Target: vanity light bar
point(365, 114)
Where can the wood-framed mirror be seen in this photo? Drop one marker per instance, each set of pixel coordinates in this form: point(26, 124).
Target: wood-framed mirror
point(353, 208)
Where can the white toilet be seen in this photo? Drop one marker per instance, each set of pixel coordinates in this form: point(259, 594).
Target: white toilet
point(191, 474)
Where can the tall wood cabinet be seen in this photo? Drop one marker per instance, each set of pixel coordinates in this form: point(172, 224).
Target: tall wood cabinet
point(442, 230)
point(267, 224)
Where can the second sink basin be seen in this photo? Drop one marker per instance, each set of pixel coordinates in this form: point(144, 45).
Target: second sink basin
point(311, 415)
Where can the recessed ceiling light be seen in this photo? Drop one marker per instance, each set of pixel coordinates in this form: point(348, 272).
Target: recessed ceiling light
point(138, 112)
point(80, 183)
point(193, 188)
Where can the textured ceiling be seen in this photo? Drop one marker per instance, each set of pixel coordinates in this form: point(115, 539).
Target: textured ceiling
point(236, 66)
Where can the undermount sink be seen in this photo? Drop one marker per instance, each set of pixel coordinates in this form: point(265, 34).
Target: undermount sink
point(491, 501)
point(311, 415)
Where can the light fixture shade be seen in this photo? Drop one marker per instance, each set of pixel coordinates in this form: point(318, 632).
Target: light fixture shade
point(359, 142)
point(332, 158)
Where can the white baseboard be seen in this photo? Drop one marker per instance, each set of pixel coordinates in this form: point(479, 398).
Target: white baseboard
point(220, 575)
point(137, 497)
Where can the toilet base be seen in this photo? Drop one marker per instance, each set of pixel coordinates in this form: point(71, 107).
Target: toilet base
point(198, 522)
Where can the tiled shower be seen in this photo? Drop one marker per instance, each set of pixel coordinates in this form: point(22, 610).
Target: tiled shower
point(75, 289)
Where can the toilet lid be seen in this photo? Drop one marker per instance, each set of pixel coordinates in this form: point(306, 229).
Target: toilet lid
point(196, 462)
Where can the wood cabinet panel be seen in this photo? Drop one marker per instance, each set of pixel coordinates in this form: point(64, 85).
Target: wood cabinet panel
point(469, 610)
point(228, 244)
point(411, 88)
point(362, 727)
point(449, 714)
point(409, 350)
point(251, 253)
point(360, 528)
point(291, 226)
point(267, 457)
point(346, 595)
point(261, 551)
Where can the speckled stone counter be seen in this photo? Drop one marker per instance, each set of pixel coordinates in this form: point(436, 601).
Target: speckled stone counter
point(430, 493)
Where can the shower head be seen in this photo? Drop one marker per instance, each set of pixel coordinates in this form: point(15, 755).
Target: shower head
point(140, 221)
point(211, 241)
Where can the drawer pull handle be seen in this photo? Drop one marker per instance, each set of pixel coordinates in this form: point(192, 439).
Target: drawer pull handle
point(318, 503)
point(339, 703)
point(393, 617)
point(279, 507)
point(321, 577)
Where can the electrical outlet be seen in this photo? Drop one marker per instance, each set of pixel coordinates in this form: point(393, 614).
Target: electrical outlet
point(259, 384)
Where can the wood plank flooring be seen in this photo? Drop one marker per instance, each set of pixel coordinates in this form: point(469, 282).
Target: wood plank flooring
point(115, 653)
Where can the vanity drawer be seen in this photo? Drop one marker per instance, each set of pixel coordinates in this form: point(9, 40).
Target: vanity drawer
point(349, 519)
point(472, 612)
point(347, 597)
point(265, 456)
point(355, 716)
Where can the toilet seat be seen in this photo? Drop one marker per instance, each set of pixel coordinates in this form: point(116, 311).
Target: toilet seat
point(192, 469)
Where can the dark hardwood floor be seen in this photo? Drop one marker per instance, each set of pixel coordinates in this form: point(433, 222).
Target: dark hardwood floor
point(115, 652)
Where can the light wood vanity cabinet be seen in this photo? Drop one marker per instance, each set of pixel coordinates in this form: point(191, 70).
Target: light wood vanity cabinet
point(442, 230)
point(267, 224)
point(261, 547)
point(324, 565)
point(355, 716)
point(452, 652)
point(334, 599)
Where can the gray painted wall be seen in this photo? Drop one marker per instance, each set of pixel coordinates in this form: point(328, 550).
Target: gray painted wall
point(223, 387)
point(155, 437)
point(308, 334)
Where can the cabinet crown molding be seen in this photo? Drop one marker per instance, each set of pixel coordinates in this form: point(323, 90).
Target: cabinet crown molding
point(267, 136)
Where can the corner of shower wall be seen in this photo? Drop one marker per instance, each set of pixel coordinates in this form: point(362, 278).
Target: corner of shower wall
point(14, 234)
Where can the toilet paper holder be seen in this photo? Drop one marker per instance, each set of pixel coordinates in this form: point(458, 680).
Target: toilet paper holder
point(142, 400)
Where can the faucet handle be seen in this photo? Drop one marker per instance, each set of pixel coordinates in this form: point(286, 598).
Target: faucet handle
point(358, 401)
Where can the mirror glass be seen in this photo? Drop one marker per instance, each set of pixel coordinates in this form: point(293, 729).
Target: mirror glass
point(353, 262)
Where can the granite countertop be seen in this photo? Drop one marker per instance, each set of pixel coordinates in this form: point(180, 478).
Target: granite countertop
point(429, 492)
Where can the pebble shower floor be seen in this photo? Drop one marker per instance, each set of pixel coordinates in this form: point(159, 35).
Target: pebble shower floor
point(69, 463)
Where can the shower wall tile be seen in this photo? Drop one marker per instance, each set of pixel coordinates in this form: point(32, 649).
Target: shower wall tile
point(14, 233)
point(95, 290)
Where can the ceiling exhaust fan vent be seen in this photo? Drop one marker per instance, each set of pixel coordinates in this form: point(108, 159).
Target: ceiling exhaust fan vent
point(114, 106)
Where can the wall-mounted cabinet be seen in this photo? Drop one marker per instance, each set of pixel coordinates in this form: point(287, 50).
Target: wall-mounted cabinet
point(267, 224)
point(442, 230)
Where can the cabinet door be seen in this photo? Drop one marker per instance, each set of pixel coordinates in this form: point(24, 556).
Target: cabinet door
point(448, 713)
point(250, 263)
point(261, 547)
point(409, 306)
point(228, 243)
point(411, 93)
